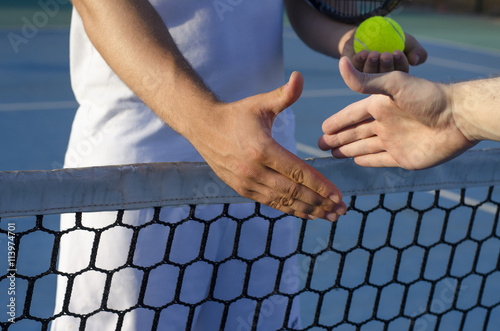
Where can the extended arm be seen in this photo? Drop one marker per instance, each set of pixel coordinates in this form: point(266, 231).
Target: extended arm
point(476, 107)
point(336, 39)
point(411, 122)
point(235, 139)
point(134, 41)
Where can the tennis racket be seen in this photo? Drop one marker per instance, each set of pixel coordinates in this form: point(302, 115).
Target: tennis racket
point(354, 11)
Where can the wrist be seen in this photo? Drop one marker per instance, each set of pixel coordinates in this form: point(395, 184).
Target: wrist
point(463, 109)
point(184, 103)
point(198, 122)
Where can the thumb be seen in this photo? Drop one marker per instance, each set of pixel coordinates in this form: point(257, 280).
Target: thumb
point(286, 95)
point(385, 83)
point(415, 52)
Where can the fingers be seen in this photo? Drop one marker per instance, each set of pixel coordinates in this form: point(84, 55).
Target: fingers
point(379, 160)
point(282, 192)
point(352, 77)
point(374, 62)
point(400, 62)
point(349, 135)
point(386, 62)
point(304, 185)
point(277, 178)
point(386, 83)
point(262, 170)
point(366, 146)
point(359, 60)
point(284, 96)
point(367, 62)
point(414, 51)
point(289, 191)
point(351, 115)
point(294, 198)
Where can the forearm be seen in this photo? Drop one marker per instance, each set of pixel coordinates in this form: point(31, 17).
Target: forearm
point(476, 108)
point(136, 44)
point(317, 30)
point(235, 139)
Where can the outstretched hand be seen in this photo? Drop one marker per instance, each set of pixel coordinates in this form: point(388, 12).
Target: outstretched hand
point(237, 143)
point(407, 123)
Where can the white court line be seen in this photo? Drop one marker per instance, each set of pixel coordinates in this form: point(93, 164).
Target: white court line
point(437, 61)
point(312, 151)
point(289, 33)
point(458, 65)
point(334, 92)
point(459, 46)
point(487, 207)
point(50, 105)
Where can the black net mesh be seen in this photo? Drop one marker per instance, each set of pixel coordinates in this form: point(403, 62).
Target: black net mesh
point(413, 261)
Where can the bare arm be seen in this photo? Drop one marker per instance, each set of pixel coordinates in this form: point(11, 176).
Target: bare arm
point(234, 138)
point(317, 30)
point(336, 39)
point(147, 59)
point(476, 106)
point(411, 122)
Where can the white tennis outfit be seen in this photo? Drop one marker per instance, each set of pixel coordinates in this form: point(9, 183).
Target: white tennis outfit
point(236, 47)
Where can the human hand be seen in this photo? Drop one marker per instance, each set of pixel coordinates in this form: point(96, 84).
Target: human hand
point(236, 142)
point(408, 123)
point(374, 62)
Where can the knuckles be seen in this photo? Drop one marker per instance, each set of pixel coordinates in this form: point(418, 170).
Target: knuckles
point(293, 192)
point(286, 201)
point(297, 175)
point(283, 204)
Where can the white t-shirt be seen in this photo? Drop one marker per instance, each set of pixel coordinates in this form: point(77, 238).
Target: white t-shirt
point(236, 47)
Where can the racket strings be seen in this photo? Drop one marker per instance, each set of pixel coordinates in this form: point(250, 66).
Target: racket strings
point(352, 8)
point(354, 11)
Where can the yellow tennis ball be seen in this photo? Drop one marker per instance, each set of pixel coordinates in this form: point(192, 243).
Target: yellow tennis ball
point(380, 34)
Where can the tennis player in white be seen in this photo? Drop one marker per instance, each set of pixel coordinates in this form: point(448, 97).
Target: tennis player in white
point(170, 80)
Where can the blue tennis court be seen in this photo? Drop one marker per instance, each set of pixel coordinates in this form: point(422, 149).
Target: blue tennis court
point(37, 107)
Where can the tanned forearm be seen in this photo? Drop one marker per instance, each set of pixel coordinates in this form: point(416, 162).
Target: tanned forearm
point(476, 108)
point(235, 139)
point(317, 30)
point(136, 44)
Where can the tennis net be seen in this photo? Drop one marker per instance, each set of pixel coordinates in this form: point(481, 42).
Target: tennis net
point(417, 250)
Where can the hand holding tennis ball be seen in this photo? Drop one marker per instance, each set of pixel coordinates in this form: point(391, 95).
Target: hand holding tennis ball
point(380, 34)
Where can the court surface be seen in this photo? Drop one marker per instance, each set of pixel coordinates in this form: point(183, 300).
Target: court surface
point(37, 105)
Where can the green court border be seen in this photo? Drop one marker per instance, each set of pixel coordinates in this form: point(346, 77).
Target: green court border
point(481, 31)
point(14, 18)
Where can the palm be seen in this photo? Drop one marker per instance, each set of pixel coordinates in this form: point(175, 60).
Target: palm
point(420, 136)
point(408, 123)
point(243, 153)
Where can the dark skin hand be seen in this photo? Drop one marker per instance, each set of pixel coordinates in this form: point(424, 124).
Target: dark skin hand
point(374, 62)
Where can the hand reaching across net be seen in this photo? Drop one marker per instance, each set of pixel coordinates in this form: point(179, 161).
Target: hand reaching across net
point(243, 153)
point(409, 122)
